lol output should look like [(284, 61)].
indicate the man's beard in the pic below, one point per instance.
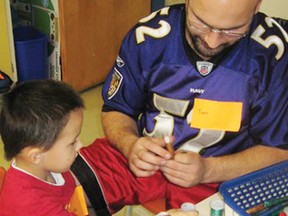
[(203, 50)]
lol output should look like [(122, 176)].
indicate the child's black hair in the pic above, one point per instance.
[(34, 113)]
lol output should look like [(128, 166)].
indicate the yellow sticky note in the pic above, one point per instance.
[(77, 203), (216, 115)]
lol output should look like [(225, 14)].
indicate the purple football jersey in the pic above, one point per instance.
[(154, 81)]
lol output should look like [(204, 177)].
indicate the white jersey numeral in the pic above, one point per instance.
[(160, 32), (164, 124), (272, 39)]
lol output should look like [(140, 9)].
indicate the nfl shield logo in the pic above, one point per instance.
[(204, 68)]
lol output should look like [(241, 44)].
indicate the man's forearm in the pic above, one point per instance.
[(122, 133), (219, 169)]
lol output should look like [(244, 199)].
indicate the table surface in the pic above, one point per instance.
[(204, 206)]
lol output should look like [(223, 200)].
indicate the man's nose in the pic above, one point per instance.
[(213, 39)]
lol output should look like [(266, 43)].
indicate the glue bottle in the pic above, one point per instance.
[(217, 208)]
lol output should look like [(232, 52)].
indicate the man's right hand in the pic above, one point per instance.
[(146, 156)]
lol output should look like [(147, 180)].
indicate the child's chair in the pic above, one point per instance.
[(2, 174), (155, 206)]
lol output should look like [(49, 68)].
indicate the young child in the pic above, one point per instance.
[(40, 124)]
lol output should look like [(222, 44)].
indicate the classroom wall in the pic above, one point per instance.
[(170, 2), (276, 8), (6, 51)]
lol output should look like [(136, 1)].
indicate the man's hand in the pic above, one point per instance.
[(186, 169), (146, 156), (189, 169)]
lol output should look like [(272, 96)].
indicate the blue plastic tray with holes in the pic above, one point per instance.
[(254, 188)]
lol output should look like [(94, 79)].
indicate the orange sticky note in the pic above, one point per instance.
[(77, 203), (216, 115)]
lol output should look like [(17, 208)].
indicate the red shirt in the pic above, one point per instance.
[(24, 194)]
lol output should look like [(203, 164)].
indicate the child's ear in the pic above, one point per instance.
[(35, 155)]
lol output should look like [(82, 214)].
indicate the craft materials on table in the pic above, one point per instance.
[(260, 193)]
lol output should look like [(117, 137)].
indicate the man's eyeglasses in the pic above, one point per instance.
[(202, 28)]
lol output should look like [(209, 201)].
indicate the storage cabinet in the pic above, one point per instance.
[(91, 32)]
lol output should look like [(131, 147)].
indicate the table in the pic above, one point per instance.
[(204, 206)]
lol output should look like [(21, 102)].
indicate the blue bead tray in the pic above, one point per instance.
[(255, 188)]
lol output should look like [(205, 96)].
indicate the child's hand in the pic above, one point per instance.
[(178, 212), (187, 209)]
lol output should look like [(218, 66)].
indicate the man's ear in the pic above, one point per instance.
[(35, 155)]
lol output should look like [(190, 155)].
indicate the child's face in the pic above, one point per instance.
[(63, 153)]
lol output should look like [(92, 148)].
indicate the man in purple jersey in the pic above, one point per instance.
[(211, 76)]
